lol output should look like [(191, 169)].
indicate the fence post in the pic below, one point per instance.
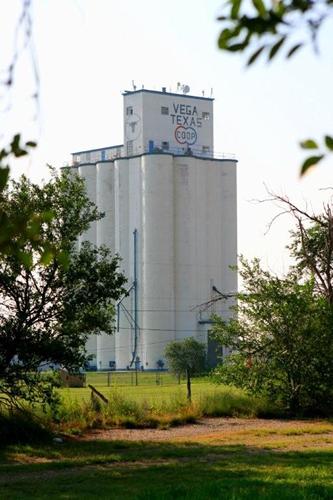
[(109, 379), (136, 375)]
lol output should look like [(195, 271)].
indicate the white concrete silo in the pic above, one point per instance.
[(88, 173), (105, 235), (170, 189), (157, 244)]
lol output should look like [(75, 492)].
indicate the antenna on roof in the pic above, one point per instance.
[(203, 93), (178, 86), (211, 92), (133, 85), (185, 89)]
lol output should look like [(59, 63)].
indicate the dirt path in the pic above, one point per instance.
[(287, 433)]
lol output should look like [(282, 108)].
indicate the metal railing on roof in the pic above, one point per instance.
[(189, 151), (176, 151)]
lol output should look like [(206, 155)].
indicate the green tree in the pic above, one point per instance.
[(51, 304), (281, 339), (17, 228), (267, 28), (186, 357)]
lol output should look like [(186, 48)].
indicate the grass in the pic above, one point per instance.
[(151, 408), (133, 407), (232, 464), (146, 390), (129, 378)]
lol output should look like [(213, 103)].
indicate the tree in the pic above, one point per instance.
[(51, 304), (186, 357), (312, 249), (18, 228), (311, 243), (268, 28), (281, 340)]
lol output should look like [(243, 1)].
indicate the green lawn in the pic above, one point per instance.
[(130, 378), (143, 392), (204, 469)]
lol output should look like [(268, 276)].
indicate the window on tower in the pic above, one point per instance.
[(129, 148), (129, 110), (205, 115), (164, 110), (165, 145)]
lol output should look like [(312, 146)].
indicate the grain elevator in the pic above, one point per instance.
[(170, 209)]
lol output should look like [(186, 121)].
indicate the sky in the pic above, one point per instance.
[(87, 53)]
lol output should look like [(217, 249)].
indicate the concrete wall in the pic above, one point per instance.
[(105, 235), (88, 172), (184, 126), (184, 209)]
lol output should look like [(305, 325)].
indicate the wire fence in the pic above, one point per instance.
[(131, 378)]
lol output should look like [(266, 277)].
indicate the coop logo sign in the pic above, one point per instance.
[(185, 116), (185, 135)]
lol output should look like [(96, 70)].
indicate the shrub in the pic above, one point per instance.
[(22, 426)]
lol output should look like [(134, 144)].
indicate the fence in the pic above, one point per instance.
[(131, 378)]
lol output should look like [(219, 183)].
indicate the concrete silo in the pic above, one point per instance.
[(171, 213)]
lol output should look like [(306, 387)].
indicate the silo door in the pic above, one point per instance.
[(214, 351)]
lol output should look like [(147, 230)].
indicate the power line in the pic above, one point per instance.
[(164, 330)]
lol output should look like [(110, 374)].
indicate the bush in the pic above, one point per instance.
[(22, 426)]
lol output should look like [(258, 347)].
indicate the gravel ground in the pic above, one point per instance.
[(210, 427)]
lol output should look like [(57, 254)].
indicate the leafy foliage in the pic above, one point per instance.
[(269, 27), (282, 341), (18, 228), (324, 150), (187, 357), (51, 304)]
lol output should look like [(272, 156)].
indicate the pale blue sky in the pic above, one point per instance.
[(89, 51)]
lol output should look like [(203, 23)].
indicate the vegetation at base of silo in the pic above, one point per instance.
[(186, 358), (282, 332)]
